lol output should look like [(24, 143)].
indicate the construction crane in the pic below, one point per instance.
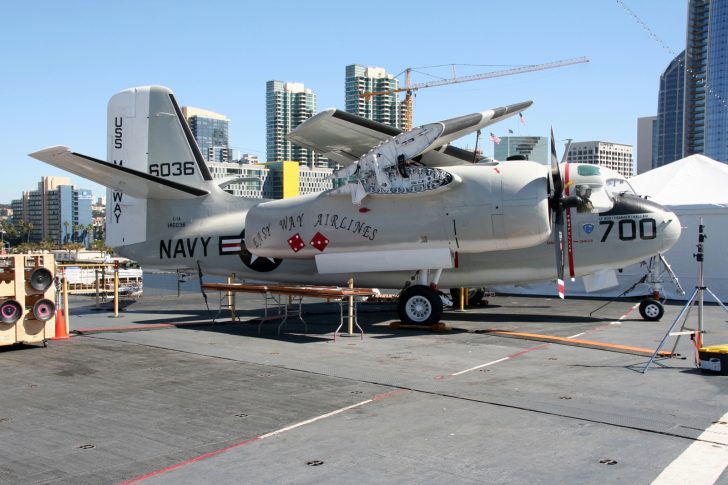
[(409, 88)]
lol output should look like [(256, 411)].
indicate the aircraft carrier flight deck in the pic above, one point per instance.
[(161, 395)]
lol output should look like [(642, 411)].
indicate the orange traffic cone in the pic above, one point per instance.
[(61, 330)]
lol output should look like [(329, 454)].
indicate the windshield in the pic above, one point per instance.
[(619, 186)]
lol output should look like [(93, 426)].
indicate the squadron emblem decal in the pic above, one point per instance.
[(588, 228), (236, 245)]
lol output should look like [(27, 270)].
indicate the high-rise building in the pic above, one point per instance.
[(646, 134), (696, 66), (669, 142), (287, 106), (210, 130), (697, 123), (58, 211), (611, 155), (535, 148), (716, 90), (384, 108)]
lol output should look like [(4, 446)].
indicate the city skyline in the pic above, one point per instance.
[(599, 100)]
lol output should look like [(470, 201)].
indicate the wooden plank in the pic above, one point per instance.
[(314, 291)]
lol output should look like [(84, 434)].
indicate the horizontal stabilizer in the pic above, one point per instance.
[(132, 182)]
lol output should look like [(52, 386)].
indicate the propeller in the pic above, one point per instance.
[(558, 202)]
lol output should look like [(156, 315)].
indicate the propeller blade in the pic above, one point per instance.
[(556, 180), (558, 236), (557, 206)]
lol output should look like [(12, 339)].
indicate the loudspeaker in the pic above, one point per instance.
[(10, 311), (40, 279), (43, 310)]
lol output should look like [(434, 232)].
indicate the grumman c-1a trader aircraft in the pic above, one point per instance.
[(413, 213)]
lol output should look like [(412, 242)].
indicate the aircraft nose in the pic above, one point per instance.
[(671, 230), (658, 226)]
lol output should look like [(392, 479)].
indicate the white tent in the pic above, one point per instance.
[(694, 187)]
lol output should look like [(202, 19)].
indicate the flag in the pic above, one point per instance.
[(510, 132), (521, 118), (494, 138)]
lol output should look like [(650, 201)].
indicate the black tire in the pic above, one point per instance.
[(651, 310), (475, 296), (419, 305)]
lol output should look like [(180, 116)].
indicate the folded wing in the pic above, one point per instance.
[(345, 137)]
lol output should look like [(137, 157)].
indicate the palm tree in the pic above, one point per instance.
[(24, 228), (65, 233), (89, 233)]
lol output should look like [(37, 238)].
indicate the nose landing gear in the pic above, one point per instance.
[(651, 310)]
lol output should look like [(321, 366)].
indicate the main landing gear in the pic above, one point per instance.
[(475, 296), (420, 303)]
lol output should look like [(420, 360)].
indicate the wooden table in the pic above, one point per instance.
[(274, 292)]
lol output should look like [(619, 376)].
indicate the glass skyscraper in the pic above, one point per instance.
[(696, 66), (716, 116), (706, 79), (384, 108), (668, 141), (287, 106), (692, 112), (210, 131)]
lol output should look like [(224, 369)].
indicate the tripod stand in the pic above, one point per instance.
[(698, 294)]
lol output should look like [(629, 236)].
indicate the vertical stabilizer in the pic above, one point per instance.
[(147, 133), (127, 136)]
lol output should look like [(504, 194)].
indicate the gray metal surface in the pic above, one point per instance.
[(113, 406)]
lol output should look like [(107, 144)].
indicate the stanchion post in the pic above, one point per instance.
[(462, 299), (116, 288), (231, 297), (96, 284), (65, 300), (350, 314)]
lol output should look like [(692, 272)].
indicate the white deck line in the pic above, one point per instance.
[(703, 461)]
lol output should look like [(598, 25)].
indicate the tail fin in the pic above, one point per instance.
[(147, 133)]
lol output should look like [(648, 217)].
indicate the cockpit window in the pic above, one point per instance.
[(587, 170), (619, 186)]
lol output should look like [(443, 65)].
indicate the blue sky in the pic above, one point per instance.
[(63, 60)]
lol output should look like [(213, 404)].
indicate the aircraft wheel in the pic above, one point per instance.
[(651, 310), (419, 305), (475, 296)]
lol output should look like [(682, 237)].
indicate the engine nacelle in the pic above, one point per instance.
[(484, 208)]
